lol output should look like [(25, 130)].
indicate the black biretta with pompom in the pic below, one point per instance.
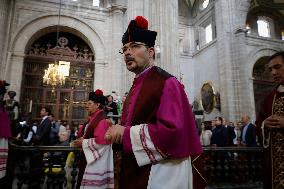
[(97, 97), (137, 31)]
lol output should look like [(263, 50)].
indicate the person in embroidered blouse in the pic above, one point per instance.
[(96, 161), (157, 130)]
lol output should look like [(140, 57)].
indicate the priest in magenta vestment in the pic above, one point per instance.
[(96, 158), (160, 143)]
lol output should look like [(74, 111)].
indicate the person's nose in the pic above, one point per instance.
[(273, 72), (128, 51), (127, 55)]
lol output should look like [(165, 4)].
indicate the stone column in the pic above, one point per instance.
[(242, 75), (100, 74), (138, 8), (230, 15), (14, 76), (134, 8), (164, 20), (4, 24), (116, 65)]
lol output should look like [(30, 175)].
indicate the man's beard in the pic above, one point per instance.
[(129, 65), (136, 69)]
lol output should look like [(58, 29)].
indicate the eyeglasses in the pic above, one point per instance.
[(132, 46)]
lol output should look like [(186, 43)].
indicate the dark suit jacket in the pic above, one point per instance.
[(42, 133), (231, 135), (220, 136), (250, 137)]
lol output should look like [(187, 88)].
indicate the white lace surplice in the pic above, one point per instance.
[(165, 173), (3, 156), (99, 170)]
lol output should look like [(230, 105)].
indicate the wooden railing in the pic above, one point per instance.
[(54, 165), (228, 167), (233, 167)]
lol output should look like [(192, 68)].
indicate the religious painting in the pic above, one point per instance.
[(207, 97)]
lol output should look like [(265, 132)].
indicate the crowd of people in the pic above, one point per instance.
[(46, 132), (51, 132), (222, 133)]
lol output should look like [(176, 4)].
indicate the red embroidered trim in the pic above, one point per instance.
[(95, 152), (3, 169), (89, 182), (100, 174), (144, 145), (164, 156)]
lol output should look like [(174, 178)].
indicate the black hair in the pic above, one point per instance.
[(219, 118), (281, 54), (47, 110), (207, 125), (101, 106), (110, 96)]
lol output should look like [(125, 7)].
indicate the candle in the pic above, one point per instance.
[(31, 105)]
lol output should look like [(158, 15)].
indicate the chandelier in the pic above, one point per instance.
[(56, 73)]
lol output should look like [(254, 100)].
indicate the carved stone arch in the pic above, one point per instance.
[(256, 56), (24, 36), (91, 35)]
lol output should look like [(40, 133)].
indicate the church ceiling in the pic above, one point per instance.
[(273, 4), (277, 5), (190, 2)]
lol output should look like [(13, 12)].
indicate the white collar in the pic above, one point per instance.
[(44, 118), (280, 88)]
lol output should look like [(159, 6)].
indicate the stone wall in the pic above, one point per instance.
[(5, 10), (99, 27), (227, 61)]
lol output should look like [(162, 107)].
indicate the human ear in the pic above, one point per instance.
[(151, 51)]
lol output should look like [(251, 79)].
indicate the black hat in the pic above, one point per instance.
[(137, 31), (11, 93), (98, 97), (3, 85)]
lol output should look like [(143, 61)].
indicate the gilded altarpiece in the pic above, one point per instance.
[(66, 102)]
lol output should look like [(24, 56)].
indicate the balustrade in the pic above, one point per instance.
[(226, 167), (233, 167)]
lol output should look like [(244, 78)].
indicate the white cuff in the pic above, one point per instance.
[(143, 148), (91, 150)]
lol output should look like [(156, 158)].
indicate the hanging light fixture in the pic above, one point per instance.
[(57, 72)]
